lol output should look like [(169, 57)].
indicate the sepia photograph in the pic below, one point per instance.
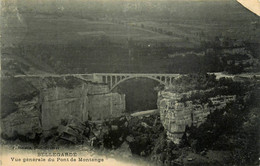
[(130, 82)]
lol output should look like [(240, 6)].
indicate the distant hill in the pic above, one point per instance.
[(121, 36)]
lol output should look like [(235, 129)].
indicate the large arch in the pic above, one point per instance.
[(132, 77)]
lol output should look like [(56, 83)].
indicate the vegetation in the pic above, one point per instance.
[(234, 129), (105, 37)]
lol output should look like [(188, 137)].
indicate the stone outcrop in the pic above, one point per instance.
[(59, 103), (42, 103), (87, 101), (106, 106), (20, 113), (177, 113), (25, 121)]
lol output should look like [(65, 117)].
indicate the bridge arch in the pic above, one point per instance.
[(132, 77)]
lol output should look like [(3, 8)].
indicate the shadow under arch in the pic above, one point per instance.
[(140, 93), (133, 77)]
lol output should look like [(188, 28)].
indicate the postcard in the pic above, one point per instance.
[(130, 82)]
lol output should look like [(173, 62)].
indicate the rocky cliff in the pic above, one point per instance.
[(176, 114), (32, 105), (191, 101)]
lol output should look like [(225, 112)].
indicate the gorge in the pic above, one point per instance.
[(42, 103), (196, 111)]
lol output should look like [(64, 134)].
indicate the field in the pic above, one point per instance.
[(116, 36)]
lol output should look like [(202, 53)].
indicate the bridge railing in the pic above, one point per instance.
[(113, 79), (135, 74)]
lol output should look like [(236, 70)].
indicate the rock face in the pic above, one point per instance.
[(25, 121), (86, 101), (177, 113), (60, 102), (106, 106), (42, 103), (20, 113)]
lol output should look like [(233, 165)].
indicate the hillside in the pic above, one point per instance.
[(116, 36)]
